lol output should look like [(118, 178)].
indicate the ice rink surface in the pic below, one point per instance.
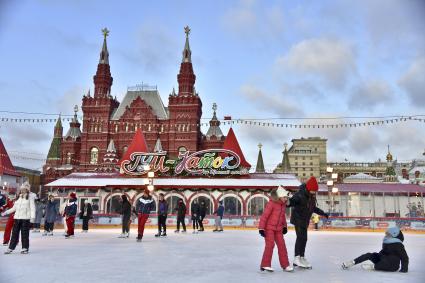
[(231, 256)]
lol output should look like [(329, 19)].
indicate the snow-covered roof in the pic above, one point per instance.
[(420, 169), (87, 180), (361, 176)]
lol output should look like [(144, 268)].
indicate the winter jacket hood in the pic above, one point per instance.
[(391, 236)]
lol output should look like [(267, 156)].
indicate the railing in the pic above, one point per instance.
[(142, 87)]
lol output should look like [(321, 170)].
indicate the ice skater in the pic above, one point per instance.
[(24, 209), (145, 208), (389, 258), (69, 213), (39, 212), (218, 217), (86, 214), (50, 215), (202, 214), (303, 204), (272, 227), (195, 216), (126, 217), (10, 220), (162, 216), (181, 215)]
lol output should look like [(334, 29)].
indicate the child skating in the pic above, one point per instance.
[(272, 227), (389, 258)]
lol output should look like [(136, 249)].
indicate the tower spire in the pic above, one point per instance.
[(186, 77), (104, 54), (260, 163), (187, 54)]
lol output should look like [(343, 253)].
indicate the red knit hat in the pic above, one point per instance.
[(72, 195), (312, 185)]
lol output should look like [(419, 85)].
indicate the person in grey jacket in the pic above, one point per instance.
[(39, 211), (52, 212)]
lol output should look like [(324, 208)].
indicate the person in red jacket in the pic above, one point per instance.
[(10, 220), (272, 227)]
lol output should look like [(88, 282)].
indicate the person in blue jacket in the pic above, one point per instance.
[(145, 208), (50, 215), (69, 214), (219, 215)]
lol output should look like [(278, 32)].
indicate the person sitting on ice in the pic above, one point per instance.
[(389, 258), (145, 207), (24, 209), (69, 213), (272, 227), (303, 205)]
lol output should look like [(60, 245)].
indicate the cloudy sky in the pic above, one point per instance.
[(255, 59)]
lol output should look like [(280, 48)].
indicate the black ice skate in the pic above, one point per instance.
[(158, 235), (164, 234), (268, 269)]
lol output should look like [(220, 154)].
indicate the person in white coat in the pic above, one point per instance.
[(24, 209)]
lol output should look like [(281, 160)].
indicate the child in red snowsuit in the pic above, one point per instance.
[(272, 227), (10, 221)]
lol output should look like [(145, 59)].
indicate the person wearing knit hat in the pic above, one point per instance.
[(304, 204), (10, 220), (70, 212), (389, 258), (272, 227), (24, 209)]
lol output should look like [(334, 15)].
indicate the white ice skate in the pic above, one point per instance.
[(298, 262), (127, 235), (122, 235), (195, 232), (306, 263), (50, 233), (368, 266), (289, 268), (24, 251), (348, 264), (8, 251), (268, 269), (44, 233)]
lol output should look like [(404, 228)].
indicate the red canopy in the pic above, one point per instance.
[(138, 144), (231, 143), (6, 166)]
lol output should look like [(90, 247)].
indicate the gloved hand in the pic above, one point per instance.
[(326, 215), (262, 233), (285, 230), (3, 214)]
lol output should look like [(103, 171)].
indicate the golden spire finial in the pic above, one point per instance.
[(187, 30), (260, 145), (105, 32)]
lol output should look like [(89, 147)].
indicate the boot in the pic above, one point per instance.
[(298, 262), (127, 235), (8, 251), (215, 230), (177, 231), (289, 268), (305, 262), (269, 269), (348, 264), (122, 235), (44, 233), (50, 234), (24, 251), (164, 234), (158, 235), (368, 266)]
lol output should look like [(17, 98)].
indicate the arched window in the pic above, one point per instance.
[(114, 204), (94, 155), (256, 206), (153, 205), (68, 158), (182, 150), (208, 204), (232, 205), (172, 203)]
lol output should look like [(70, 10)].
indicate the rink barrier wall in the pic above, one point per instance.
[(333, 223)]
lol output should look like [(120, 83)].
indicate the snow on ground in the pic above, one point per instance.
[(232, 256)]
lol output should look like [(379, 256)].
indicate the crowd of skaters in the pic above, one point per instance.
[(27, 210)]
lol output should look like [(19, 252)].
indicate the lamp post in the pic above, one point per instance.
[(149, 180)]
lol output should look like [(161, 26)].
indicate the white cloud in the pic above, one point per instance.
[(368, 95), (280, 105), (331, 60), (65, 103), (413, 82)]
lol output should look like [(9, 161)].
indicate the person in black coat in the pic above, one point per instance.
[(389, 258), (195, 216), (303, 204), (162, 216), (202, 214), (181, 214), (86, 213), (126, 216)]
